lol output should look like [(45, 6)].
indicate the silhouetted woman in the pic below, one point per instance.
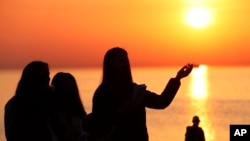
[(119, 104), (26, 113), (69, 116)]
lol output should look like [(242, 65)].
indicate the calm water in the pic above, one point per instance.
[(219, 95)]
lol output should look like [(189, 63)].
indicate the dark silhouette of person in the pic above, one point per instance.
[(119, 103), (69, 116), (26, 113), (194, 133)]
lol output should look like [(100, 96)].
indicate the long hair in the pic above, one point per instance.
[(66, 95), (32, 86), (112, 74)]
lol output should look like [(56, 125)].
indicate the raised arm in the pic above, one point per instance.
[(153, 100)]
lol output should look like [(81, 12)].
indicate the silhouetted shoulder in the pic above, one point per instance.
[(8, 117), (192, 127), (100, 94), (189, 128), (9, 103)]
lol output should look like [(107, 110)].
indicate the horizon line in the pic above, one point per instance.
[(136, 66)]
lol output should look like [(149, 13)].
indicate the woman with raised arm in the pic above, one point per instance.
[(119, 103)]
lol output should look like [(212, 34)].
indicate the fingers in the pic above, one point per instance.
[(188, 67), (186, 70)]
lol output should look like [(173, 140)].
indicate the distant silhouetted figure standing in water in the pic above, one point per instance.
[(194, 133), (26, 113), (119, 103), (68, 116)]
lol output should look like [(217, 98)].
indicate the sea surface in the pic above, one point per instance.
[(220, 96)]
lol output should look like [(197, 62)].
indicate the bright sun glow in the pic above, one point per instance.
[(198, 17)]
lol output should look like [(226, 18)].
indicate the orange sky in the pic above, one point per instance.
[(74, 33)]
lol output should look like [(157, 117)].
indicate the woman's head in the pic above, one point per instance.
[(66, 93), (65, 84), (116, 58), (116, 67), (33, 89), (65, 88), (35, 77)]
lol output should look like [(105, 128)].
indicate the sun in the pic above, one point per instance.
[(198, 17)]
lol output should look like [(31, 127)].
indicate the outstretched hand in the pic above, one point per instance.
[(184, 71)]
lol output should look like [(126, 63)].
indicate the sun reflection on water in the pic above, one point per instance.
[(199, 83), (198, 96)]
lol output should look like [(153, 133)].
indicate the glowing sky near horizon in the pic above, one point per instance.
[(77, 33)]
